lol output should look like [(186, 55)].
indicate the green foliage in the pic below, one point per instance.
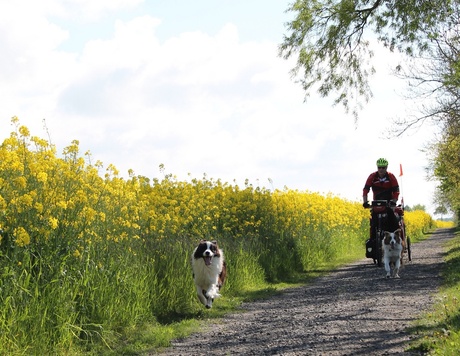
[(331, 40), (446, 168), (419, 207), (441, 210), (437, 77)]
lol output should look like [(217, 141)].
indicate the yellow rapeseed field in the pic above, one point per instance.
[(85, 253)]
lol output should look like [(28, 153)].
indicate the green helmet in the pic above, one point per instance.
[(382, 162)]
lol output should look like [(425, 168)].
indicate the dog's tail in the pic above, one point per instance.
[(222, 276)]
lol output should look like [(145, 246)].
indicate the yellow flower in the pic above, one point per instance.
[(42, 177), (53, 222), (21, 182), (22, 237), (61, 204), (38, 207), (26, 200), (24, 131)]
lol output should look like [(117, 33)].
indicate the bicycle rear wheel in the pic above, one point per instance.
[(409, 253)]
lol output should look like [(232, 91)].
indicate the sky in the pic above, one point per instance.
[(199, 87)]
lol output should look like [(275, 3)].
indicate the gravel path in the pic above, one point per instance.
[(351, 311)]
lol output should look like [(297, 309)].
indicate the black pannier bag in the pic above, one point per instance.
[(370, 253)]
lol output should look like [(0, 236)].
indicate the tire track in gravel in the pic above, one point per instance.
[(351, 311)]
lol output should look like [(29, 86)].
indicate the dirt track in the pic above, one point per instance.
[(351, 311)]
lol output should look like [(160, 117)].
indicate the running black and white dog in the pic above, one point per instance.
[(209, 271), (392, 246)]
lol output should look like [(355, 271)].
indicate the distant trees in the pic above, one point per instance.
[(441, 210), (415, 207)]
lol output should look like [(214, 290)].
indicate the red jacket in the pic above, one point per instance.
[(385, 188)]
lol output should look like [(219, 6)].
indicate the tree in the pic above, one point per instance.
[(441, 210), (442, 203), (434, 79), (446, 169), (419, 207), (331, 40)]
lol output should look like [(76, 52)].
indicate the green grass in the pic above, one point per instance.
[(227, 304), (152, 338), (110, 302), (438, 330)]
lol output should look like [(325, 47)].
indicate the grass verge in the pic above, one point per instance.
[(438, 330)]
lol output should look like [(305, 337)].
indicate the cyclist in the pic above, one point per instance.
[(384, 186)]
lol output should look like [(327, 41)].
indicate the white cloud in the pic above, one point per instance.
[(196, 102)]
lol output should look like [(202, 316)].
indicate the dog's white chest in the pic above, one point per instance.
[(206, 275)]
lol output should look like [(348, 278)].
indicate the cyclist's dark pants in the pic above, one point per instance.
[(390, 223)]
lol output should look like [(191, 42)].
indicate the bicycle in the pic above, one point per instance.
[(374, 246), (399, 211)]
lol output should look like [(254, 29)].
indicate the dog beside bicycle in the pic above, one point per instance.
[(387, 244)]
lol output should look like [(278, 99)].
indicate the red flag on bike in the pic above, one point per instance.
[(400, 170)]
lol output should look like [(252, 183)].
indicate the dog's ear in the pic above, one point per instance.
[(214, 242), (386, 237), (398, 232)]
